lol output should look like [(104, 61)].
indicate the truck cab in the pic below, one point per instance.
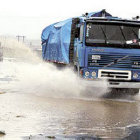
[(109, 48)]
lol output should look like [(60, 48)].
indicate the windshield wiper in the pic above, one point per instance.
[(134, 33), (106, 38), (123, 35)]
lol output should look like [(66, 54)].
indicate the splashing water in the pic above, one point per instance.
[(18, 51), (29, 74)]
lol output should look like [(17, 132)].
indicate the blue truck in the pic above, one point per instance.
[(98, 46)]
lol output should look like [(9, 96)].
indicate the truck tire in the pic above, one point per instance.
[(120, 92), (60, 66)]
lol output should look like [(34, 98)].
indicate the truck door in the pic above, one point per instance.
[(79, 47)]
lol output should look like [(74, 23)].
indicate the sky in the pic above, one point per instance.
[(30, 17)]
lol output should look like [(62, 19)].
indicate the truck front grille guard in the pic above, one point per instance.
[(114, 74)]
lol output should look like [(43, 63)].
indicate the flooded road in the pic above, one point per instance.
[(38, 102), (25, 115)]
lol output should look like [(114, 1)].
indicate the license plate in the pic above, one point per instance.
[(96, 57)]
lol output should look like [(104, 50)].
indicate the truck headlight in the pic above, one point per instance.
[(135, 75), (86, 73), (93, 74)]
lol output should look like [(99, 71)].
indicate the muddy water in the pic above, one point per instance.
[(24, 115)]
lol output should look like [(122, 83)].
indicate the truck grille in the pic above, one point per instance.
[(131, 61), (114, 74)]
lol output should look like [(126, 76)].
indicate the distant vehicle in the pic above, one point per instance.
[(98, 46)]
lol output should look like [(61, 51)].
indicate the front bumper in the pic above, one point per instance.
[(123, 85), (113, 78), (108, 84)]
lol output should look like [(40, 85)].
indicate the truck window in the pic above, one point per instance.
[(94, 34), (131, 32), (112, 34)]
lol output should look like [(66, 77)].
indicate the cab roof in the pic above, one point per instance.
[(103, 16)]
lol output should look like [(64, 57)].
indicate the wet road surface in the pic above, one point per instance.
[(27, 115)]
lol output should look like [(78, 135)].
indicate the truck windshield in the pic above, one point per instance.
[(98, 34)]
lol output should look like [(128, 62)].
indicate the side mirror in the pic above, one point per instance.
[(139, 36), (139, 33), (81, 33)]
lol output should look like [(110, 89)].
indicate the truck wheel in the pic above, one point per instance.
[(75, 69), (120, 92)]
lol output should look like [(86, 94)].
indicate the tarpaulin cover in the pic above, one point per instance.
[(56, 40)]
